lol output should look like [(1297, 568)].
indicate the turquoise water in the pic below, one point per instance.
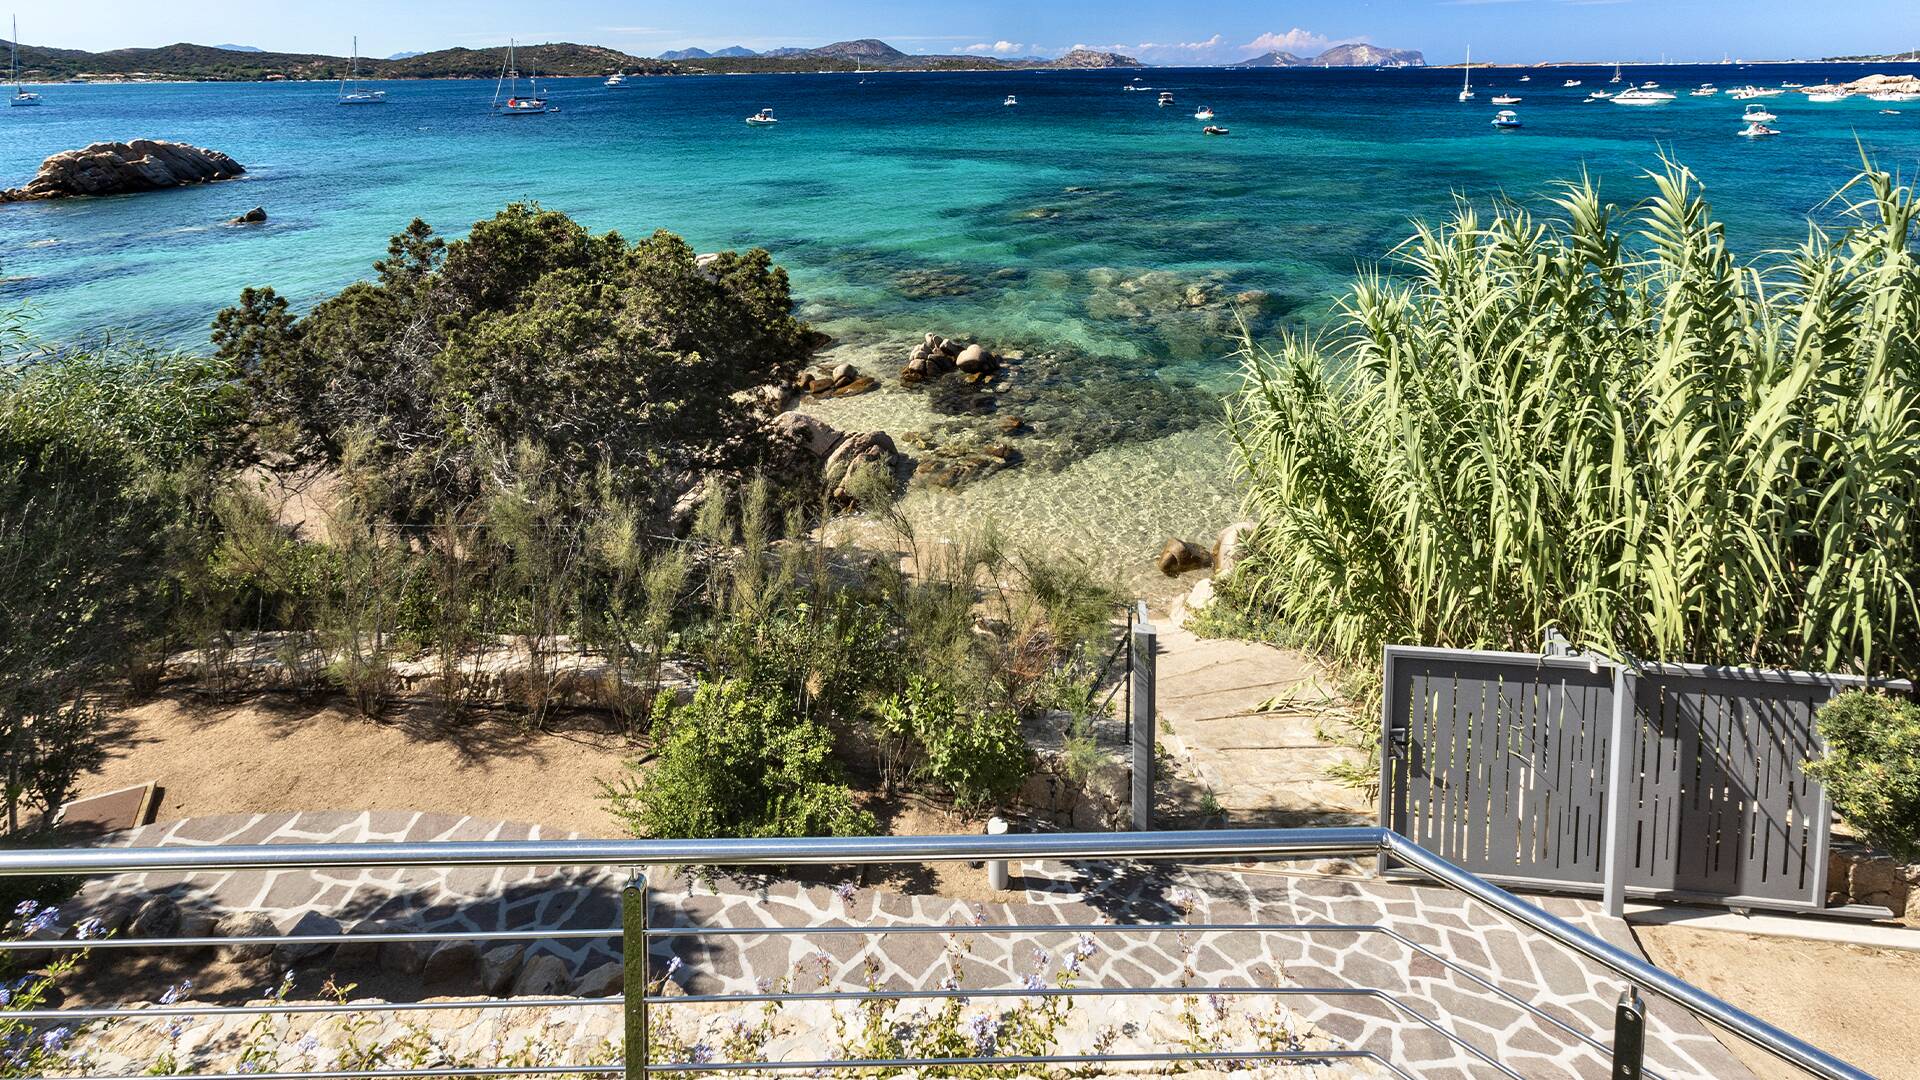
[(915, 202)]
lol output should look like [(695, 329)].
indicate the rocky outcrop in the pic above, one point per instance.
[(124, 168), (255, 216), (936, 356), (1228, 548), (816, 435), (859, 449), (842, 380)]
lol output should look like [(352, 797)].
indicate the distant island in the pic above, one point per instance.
[(231, 63), (1351, 55)]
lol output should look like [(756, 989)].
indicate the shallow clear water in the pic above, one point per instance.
[(914, 202)]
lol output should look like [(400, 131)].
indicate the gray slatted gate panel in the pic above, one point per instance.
[(1721, 806), (1498, 762)]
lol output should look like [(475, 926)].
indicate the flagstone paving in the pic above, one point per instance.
[(1346, 987)]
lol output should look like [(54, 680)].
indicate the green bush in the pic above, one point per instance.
[(927, 731), (1615, 428), (1872, 767), (737, 761)]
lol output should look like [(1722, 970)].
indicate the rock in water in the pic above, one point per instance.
[(1180, 556), (122, 168), (255, 216)]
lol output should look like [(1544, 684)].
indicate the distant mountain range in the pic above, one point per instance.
[(1354, 55), (240, 48)]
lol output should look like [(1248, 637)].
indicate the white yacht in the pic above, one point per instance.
[(516, 104), (1757, 130), (1011, 100), (1642, 96), (1166, 98), (1827, 97), (1505, 99), (1599, 95), (616, 80), (1748, 93), (762, 118), (21, 95), (351, 92), (1205, 113), (1526, 78), (1758, 114), (1706, 91), (1506, 118), (1571, 83), (1466, 86)]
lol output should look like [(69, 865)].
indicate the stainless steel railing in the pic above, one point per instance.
[(637, 936)]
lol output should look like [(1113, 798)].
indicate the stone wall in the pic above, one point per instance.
[(1096, 802), (1859, 875)]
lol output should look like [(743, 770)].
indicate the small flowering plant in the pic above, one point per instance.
[(28, 1049)]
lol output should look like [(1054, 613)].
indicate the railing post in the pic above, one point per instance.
[(1141, 721), (634, 947), (1629, 1035), (1614, 852)]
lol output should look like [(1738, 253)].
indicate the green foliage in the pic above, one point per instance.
[(1872, 767), (1635, 439), (925, 731), (603, 355), (736, 761)]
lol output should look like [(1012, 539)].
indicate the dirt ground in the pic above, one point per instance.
[(1860, 1004)]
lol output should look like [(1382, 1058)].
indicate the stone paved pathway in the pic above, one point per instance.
[(1458, 945), (1265, 768)]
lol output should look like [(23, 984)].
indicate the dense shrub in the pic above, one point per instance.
[(978, 755), (1872, 767), (603, 354), (737, 762), (1612, 428)]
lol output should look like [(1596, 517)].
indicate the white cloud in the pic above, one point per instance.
[(1182, 46), (1296, 41), (998, 48)]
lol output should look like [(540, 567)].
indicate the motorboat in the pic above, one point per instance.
[(1828, 97), (1011, 100), (21, 95), (616, 80), (351, 92), (1506, 118), (1205, 113), (1466, 86), (1748, 93), (516, 104), (1706, 91), (1213, 129), (1757, 131), (762, 118), (1758, 114), (1599, 95), (1570, 83), (1650, 85), (1166, 98), (1791, 85), (1526, 78), (1505, 99), (1642, 96)]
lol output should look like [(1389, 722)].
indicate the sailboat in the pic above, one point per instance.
[(359, 95), (515, 105), (1466, 87), (21, 95), (1616, 74)]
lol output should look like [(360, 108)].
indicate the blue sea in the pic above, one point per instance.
[(1070, 227)]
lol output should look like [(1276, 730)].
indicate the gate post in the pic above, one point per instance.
[(1141, 721), (1614, 851)]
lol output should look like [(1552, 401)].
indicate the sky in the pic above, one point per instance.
[(1512, 31)]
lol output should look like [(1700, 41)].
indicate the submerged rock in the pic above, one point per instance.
[(1181, 556), (124, 168), (255, 216)]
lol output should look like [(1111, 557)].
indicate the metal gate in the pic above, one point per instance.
[(1573, 772)]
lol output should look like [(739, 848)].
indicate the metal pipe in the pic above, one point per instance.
[(1702, 1004), (32, 945), (318, 1008)]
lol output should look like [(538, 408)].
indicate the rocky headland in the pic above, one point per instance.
[(121, 168)]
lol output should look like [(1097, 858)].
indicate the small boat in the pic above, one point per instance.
[(1642, 96), (1466, 86), (1526, 78), (1706, 91), (515, 105), (1650, 85), (1213, 129), (1889, 112), (1205, 113), (1616, 74), (1505, 99), (1758, 114), (1571, 83), (1827, 97), (1011, 100), (1791, 85), (1757, 131), (351, 92), (616, 80), (1748, 93), (22, 96), (1506, 118), (1166, 98), (1599, 95), (763, 117)]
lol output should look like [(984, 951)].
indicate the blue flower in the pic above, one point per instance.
[(26, 908), (846, 891), (55, 1039), (699, 1054), (89, 928), (985, 1030), (176, 992), (1035, 982)]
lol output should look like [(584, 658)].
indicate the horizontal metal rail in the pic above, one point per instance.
[(369, 938), (1216, 844)]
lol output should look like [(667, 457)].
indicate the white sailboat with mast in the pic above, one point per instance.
[(351, 92), (509, 81), (1466, 85), (21, 95)]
